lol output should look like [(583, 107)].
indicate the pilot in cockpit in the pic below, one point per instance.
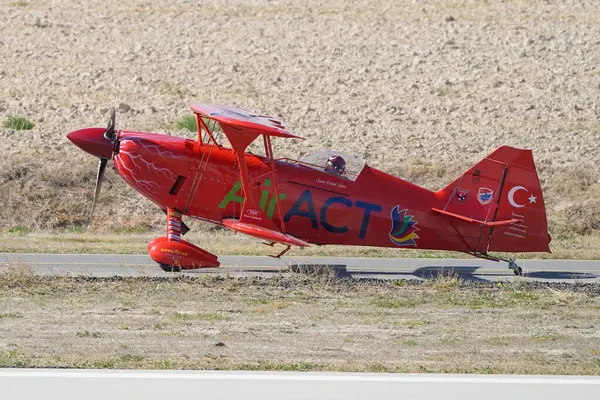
[(335, 165)]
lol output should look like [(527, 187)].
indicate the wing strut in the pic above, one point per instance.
[(269, 153), (253, 220), (242, 128)]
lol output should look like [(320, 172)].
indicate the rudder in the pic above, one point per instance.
[(502, 197)]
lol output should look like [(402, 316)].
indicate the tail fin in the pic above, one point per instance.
[(500, 204)]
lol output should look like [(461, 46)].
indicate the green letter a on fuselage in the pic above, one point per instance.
[(232, 195), (235, 195)]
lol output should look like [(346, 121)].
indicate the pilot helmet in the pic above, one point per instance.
[(336, 162)]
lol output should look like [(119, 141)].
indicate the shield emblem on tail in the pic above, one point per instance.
[(485, 195), (461, 195)]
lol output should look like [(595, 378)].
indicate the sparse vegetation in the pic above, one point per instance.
[(415, 323), (211, 322), (185, 316), (86, 334), (187, 123), (19, 230), (11, 315), (274, 366), (132, 358), (548, 338), (17, 274), (18, 123), (387, 302)]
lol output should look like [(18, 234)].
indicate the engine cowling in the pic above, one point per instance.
[(181, 254)]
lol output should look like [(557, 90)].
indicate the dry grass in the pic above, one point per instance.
[(297, 322), (51, 193), (222, 242)]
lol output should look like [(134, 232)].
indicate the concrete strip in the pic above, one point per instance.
[(44, 384)]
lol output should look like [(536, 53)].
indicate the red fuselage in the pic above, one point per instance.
[(376, 209)]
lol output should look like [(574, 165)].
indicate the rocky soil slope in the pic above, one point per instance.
[(422, 89)]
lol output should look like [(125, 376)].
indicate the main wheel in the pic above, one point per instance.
[(169, 268), (518, 271)]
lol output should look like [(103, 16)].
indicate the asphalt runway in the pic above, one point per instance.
[(102, 265), (42, 384)]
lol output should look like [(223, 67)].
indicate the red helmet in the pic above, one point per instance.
[(338, 163)]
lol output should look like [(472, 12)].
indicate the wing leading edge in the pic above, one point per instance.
[(244, 120)]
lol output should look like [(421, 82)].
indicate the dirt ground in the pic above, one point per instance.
[(229, 243), (421, 89), (302, 323)]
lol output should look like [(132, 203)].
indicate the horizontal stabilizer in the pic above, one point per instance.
[(473, 220), (263, 233)]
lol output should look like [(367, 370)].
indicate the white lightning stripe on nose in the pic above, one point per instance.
[(144, 185)]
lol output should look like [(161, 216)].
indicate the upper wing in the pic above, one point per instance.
[(246, 120)]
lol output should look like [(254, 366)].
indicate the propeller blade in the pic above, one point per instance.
[(101, 168), (110, 129)]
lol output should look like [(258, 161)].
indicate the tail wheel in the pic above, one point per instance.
[(518, 271), (169, 268)]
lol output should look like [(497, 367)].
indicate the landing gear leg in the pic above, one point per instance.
[(173, 234), (282, 252), (174, 254)]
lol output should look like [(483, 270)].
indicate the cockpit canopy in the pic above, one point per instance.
[(318, 159)]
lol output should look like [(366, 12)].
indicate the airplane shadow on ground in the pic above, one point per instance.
[(562, 275), (466, 272), (430, 272), (439, 271)]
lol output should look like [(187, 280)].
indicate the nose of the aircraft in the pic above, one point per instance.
[(92, 141)]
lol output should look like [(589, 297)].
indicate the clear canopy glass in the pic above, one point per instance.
[(318, 160)]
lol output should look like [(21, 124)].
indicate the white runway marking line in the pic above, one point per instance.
[(305, 376)]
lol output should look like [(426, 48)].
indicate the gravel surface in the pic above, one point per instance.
[(421, 89)]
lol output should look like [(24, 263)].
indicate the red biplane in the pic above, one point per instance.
[(496, 206)]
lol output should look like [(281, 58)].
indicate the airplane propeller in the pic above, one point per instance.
[(110, 129), (99, 176), (102, 143), (111, 135)]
